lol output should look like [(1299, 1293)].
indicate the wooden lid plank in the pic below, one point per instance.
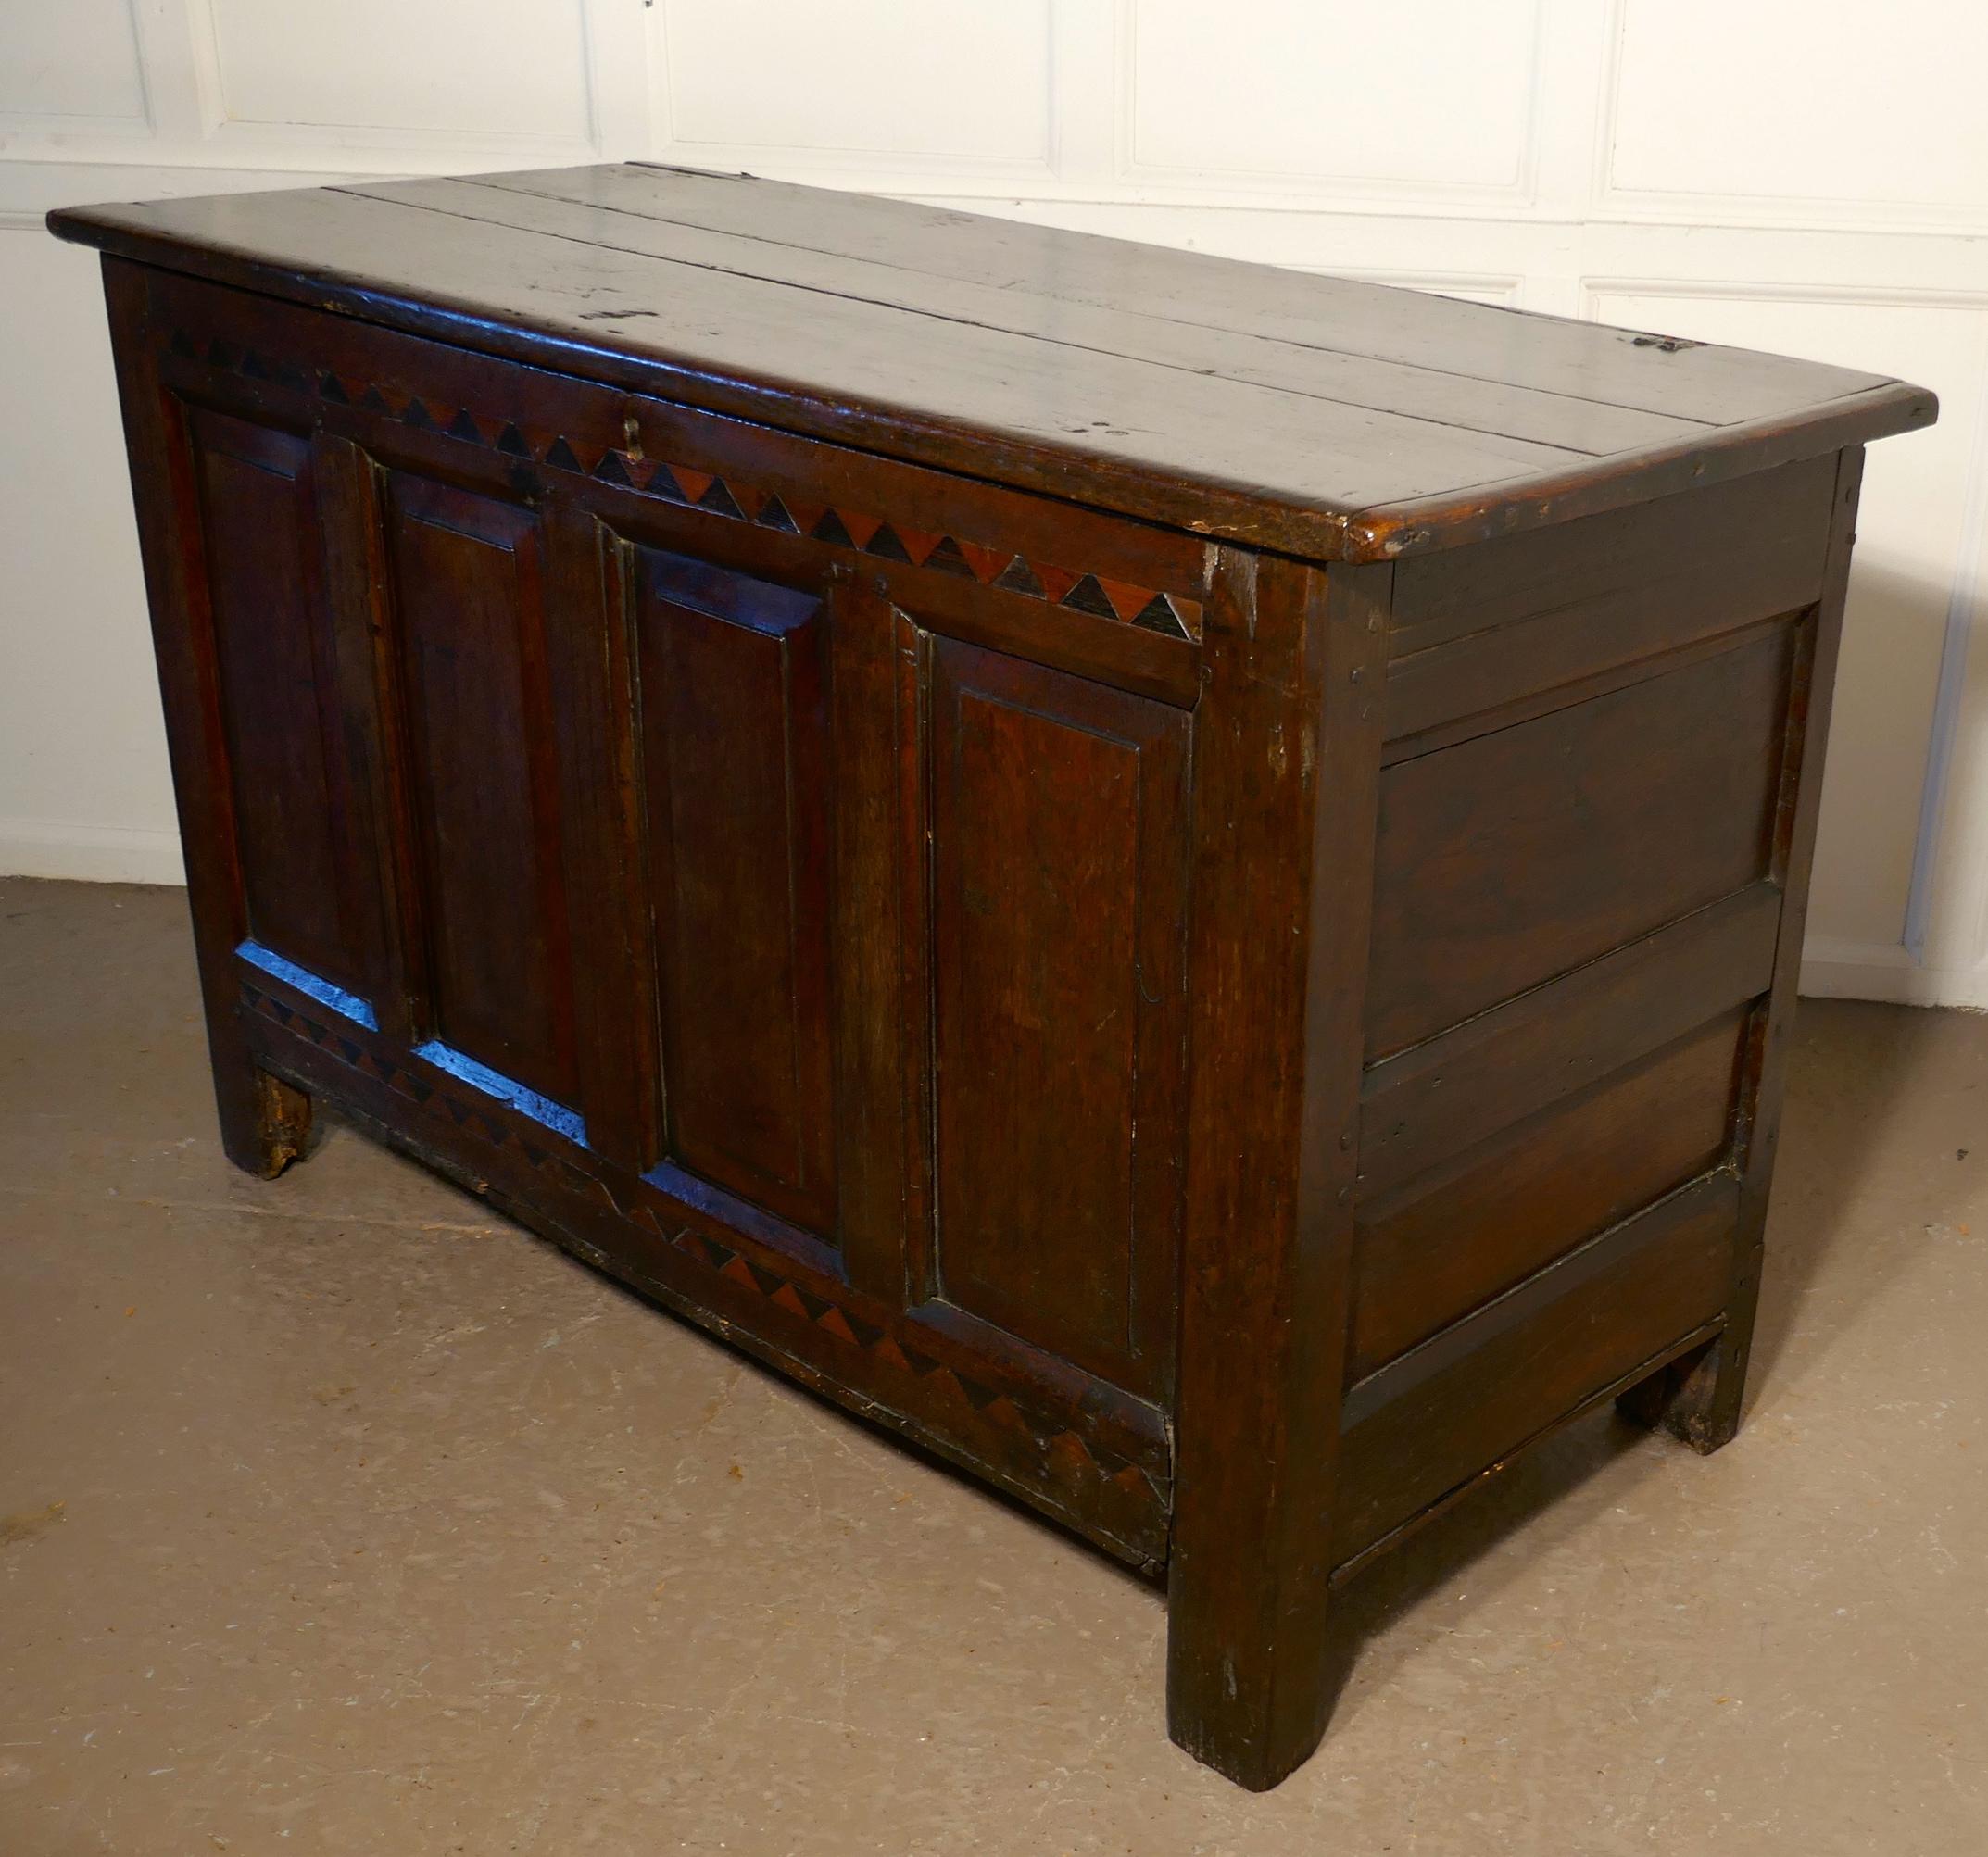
[(1313, 415)]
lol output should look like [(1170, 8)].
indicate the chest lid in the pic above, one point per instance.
[(1330, 419)]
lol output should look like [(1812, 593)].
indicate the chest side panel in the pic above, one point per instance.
[(1518, 856), (1594, 737)]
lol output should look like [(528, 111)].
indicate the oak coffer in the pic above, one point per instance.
[(1181, 881)]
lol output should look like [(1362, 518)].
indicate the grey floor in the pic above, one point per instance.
[(337, 1515)]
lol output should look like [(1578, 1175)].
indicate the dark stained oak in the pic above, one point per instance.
[(1057, 941), (733, 676), (1310, 424), (465, 584), (1221, 296), (1477, 1391), (278, 689), (1179, 882), (1423, 1106), (1532, 1191), (1518, 856), (1541, 619), (1278, 959), (1145, 332)]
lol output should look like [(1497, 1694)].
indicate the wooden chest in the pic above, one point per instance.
[(1180, 880)]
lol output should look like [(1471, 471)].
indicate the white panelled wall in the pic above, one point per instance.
[(1771, 173)]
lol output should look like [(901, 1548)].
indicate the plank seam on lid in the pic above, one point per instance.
[(497, 184), (1267, 466), (385, 198), (1172, 265)]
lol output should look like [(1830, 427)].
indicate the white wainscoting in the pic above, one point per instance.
[(1774, 173)]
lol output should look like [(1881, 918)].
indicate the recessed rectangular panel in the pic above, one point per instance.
[(482, 768), (278, 691), (1475, 1393), (1057, 839), (1432, 1252), (736, 758), (1518, 855), (1423, 1110)]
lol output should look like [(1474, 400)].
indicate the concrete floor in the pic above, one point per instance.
[(340, 1516)]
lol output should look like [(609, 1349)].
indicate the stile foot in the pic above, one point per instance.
[(1695, 1398), (266, 1126), (1255, 1707)]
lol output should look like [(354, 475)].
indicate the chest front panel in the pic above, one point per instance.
[(800, 836)]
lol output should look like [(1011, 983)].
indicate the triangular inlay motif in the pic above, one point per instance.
[(720, 501), (774, 516), (948, 559), (918, 543), (1158, 615), (1165, 614), (1087, 595), (1019, 577)]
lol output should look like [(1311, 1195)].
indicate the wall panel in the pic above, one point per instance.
[(63, 68), (486, 68), (1867, 119), (1269, 90), (822, 84)]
